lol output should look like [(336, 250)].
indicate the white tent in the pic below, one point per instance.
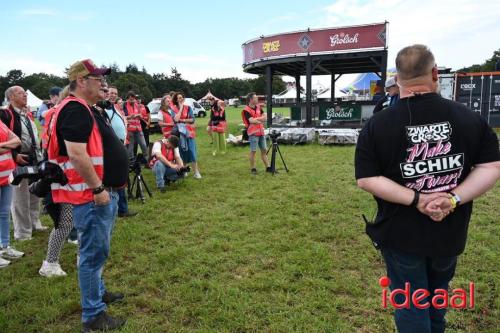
[(327, 95), (33, 101), (288, 96)]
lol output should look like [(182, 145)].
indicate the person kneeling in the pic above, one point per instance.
[(166, 162)]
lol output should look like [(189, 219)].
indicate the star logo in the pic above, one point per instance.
[(305, 42), (382, 35)]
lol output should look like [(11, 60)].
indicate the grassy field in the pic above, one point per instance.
[(237, 253)]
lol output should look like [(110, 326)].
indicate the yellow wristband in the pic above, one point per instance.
[(453, 202)]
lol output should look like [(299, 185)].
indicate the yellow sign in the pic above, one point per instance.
[(271, 46)]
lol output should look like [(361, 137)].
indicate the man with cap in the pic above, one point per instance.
[(134, 130), (95, 162), (47, 105), (391, 97), (25, 206)]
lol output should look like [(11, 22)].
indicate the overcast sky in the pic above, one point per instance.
[(203, 39)]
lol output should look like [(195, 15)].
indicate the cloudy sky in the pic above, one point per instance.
[(203, 39)]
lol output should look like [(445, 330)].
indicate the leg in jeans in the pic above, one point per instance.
[(142, 143), (35, 211), (58, 236), (401, 268), (122, 201), (171, 174), (132, 143), (159, 170), (20, 209), (5, 201), (440, 271), (94, 224)]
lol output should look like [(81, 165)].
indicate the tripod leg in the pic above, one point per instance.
[(134, 183), (282, 159), (140, 192), (146, 187), (273, 159)]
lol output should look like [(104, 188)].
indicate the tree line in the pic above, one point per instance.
[(148, 86)]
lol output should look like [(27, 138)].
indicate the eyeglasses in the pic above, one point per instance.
[(102, 79), (105, 91)]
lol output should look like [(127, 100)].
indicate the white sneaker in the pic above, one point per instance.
[(10, 252), (22, 239), (41, 228), (197, 175), (51, 269), (3, 262), (74, 242)]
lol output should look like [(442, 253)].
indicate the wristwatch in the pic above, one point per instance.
[(98, 189), (455, 199)]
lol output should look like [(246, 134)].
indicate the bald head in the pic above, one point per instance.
[(414, 61), (16, 96)]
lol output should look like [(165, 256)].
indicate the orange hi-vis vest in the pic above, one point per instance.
[(222, 125), (77, 191), (253, 129), (134, 124), (185, 115), (7, 164), (167, 118), (167, 153), (45, 129)]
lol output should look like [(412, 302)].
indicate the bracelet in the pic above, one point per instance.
[(416, 199), (457, 199), (98, 189), (453, 203)]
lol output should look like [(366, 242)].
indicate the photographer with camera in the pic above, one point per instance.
[(8, 141), (118, 122), (95, 163), (167, 163), (25, 206), (254, 120), (218, 127), (134, 128)]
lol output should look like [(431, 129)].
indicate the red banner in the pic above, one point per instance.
[(342, 39)]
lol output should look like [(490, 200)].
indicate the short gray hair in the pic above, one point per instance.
[(414, 61), (9, 92)]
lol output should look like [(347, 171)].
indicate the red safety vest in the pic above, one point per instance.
[(77, 191), (222, 125), (45, 129), (11, 111), (134, 125), (185, 115), (167, 153), (167, 118), (7, 164), (253, 129)]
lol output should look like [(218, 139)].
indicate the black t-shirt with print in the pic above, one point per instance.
[(429, 144), (75, 123)]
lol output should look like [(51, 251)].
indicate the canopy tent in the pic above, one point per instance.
[(327, 94), (207, 96), (33, 101), (362, 81), (287, 96)]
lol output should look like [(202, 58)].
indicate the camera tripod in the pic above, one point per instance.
[(138, 183), (275, 148)]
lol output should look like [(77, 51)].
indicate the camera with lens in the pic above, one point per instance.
[(274, 134), (40, 177), (104, 104)]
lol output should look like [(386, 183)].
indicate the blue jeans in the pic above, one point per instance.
[(94, 225), (163, 172), (5, 201), (122, 201), (421, 272)]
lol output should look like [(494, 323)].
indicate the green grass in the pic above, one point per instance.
[(236, 253)]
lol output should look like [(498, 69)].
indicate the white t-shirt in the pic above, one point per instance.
[(157, 148)]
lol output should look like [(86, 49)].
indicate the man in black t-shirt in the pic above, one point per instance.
[(93, 219), (424, 159)]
